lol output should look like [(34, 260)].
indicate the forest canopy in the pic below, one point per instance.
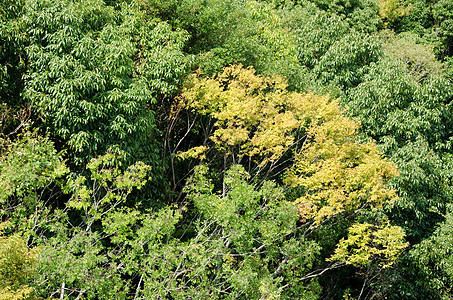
[(193, 149)]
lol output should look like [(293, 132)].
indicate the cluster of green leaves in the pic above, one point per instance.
[(94, 72), (78, 255), (29, 169), (246, 244), (13, 112), (433, 258), (432, 19), (413, 53), (12, 56), (415, 133), (362, 15)]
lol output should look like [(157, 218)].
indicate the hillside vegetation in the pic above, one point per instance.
[(226, 149)]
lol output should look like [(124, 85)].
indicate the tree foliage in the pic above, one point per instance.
[(256, 117), (434, 260), (17, 266), (312, 138), (415, 134), (95, 74), (366, 243)]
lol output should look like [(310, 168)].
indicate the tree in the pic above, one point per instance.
[(316, 31), (433, 260), (17, 266), (303, 142), (360, 14), (12, 56), (347, 61), (77, 254), (30, 171), (13, 112), (443, 16), (390, 10), (259, 249), (413, 53), (225, 32), (333, 54), (415, 134), (95, 74), (259, 122)]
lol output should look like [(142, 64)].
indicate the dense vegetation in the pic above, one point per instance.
[(194, 149)]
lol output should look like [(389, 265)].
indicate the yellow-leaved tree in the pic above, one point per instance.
[(390, 10), (339, 173), (305, 138), (17, 265), (365, 243)]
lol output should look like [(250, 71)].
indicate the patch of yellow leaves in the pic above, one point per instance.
[(339, 173), (257, 115), (366, 243)]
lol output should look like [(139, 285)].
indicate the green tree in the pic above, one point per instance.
[(262, 251), (12, 55), (433, 260), (77, 255), (347, 61), (413, 53), (333, 55), (362, 15), (225, 32), (13, 112), (316, 31), (416, 135), (443, 16), (30, 170), (96, 73)]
